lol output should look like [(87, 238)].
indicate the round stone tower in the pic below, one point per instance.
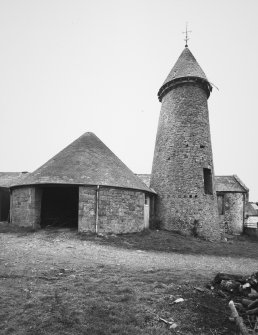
[(182, 170)]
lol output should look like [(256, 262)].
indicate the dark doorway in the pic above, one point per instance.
[(4, 204), (59, 207)]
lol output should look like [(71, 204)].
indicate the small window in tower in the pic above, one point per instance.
[(202, 146), (207, 181)]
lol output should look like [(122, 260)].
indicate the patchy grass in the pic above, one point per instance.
[(49, 284), (165, 241), (103, 300)]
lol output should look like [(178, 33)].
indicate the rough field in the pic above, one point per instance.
[(59, 282)]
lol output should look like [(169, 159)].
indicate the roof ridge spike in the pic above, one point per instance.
[(186, 34)]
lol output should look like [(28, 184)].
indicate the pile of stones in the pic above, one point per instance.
[(243, 291)]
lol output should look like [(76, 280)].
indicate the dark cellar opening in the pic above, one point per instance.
[(59, 207)]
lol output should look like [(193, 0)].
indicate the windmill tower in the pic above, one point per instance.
[(182, 170)]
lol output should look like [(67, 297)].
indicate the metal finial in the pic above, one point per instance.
[(186, 35)]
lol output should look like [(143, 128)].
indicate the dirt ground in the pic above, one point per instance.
[(59, 282)]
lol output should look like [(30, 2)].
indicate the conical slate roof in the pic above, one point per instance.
[(186, 66), (86, 161)]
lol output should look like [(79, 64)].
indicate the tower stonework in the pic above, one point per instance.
[(182, 170)]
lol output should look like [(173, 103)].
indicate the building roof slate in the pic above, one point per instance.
[(185, 66), (222, 183), (251, 209), (86, 161), (145, 178), (8, 178), (230, 184)]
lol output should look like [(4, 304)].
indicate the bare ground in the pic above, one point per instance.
[(64, 283)]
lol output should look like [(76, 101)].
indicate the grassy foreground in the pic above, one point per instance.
[(50, 285), (103, 300)]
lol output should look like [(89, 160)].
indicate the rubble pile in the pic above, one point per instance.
[(243, 295)]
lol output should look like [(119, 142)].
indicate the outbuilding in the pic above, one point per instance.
[(6, 180), (251, 219), (232, 195), (85, 186)]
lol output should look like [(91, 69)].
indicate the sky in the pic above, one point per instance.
[(72, 66)]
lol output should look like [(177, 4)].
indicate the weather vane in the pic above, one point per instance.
[(186, 35)]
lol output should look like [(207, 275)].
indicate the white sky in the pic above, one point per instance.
[(71, 66)]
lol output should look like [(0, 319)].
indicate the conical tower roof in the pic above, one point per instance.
[(86, 161), (186, 66)]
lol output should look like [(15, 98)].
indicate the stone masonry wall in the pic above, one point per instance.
[(120, 210), (87, 209), (183, 149), (26, 207), (232, 220)]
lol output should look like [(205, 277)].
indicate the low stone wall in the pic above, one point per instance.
[(119, 210), (26, 206)]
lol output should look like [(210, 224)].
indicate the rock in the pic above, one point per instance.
[(253, 304), (246, 302), (229, 285), (253, 280), (226, 276), (222, 294), (253, 294), (178, 300), (252, 311), (239, 307), (173, 326), (246, 285)]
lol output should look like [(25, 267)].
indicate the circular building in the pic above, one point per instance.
[(85, 186), (182, 170)]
